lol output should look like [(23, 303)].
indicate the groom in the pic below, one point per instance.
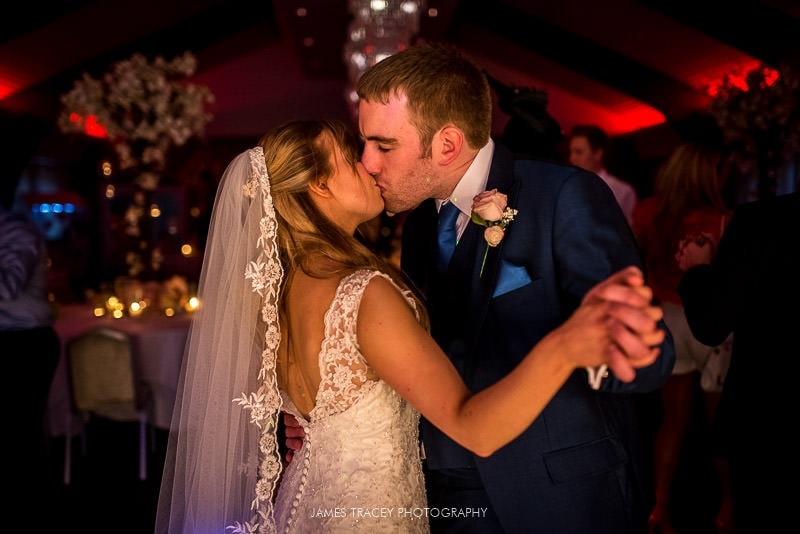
[(582, 466)]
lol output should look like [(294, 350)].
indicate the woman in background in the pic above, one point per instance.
[(687, 203)]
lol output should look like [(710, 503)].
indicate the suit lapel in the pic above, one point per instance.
[(501, 176), (459, 300)]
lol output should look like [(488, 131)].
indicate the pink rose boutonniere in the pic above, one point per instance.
[(490, 209)]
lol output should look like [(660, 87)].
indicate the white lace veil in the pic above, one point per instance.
[(222, 461)]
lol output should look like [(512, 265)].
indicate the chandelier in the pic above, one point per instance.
[(379, 29)]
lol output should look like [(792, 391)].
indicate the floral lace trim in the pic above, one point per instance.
[(343, 369), (266, 276)]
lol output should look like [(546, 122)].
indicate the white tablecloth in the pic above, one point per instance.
[(158, 343)]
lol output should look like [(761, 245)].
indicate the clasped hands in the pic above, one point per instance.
[(622, 306)]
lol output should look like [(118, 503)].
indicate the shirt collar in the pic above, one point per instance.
[(473, 182)]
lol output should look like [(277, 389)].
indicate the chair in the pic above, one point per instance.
[(102, 379)]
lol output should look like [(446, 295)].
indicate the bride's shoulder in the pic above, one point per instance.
[(381, 291), (367, 278)]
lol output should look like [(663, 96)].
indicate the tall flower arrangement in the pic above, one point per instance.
[(760, 118), (143, 108)]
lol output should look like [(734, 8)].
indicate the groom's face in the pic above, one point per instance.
[(393, 155)]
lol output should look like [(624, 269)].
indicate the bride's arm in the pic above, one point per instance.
[(407, 358)]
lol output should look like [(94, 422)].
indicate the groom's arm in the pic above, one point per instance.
[(591, 240)]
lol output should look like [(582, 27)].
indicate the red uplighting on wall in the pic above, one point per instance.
[(90, 125), (634, 119), (7, 89), (737, 77)]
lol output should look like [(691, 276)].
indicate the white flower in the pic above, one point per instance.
[(144, 108)]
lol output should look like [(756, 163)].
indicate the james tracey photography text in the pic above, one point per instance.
[(385, 511)]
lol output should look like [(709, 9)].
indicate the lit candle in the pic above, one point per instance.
[(192, 304), (136, 308)]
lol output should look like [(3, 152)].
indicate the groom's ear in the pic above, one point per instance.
[(447, 145)]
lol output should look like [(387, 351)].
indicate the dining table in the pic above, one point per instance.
[(158, 343)]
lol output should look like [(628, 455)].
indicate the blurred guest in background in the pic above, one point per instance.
[(30, 346), (751, 289), (30, 355), (687, 202), (530, 130), (588, 149)]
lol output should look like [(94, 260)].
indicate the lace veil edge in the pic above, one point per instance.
[(223, 462)]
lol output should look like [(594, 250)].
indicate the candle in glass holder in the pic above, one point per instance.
[(136, 308), (192, 304), (99, 299), (115, 306)]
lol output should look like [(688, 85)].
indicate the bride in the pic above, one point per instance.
[(298, 316)]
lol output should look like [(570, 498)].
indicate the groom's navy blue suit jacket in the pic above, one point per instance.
[(582, 466)]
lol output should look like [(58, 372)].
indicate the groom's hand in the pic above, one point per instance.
[(294, 435), (633, 321)]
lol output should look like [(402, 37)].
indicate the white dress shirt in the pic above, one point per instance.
[(471, 184)]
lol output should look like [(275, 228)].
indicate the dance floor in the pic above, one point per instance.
[(106, 495)]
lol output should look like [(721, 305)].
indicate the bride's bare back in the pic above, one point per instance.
[(308, 301), (361, 450)]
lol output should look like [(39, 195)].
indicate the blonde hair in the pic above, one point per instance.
[(689, 180), (299, 154), (442, 87)]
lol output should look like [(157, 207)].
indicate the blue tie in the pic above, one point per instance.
[(448, 214)]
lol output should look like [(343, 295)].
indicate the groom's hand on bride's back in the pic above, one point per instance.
[(294, 435)]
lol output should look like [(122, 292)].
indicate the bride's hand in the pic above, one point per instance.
[(625, 286)]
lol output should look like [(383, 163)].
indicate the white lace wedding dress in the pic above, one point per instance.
[(359, 468)]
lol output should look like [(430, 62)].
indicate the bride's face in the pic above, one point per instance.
[(354, 197)]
